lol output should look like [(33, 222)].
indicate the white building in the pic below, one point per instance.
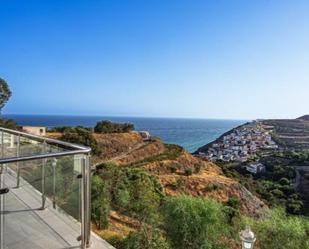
[(255, 168), (35, 130)]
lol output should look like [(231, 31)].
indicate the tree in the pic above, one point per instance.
[(5, 93), (279, 231), (194, 222), (147, 238), (82, 136), (106, 126), (100, 203)]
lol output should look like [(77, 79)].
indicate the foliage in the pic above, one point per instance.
[(9, 124), (106, 126), (273, 186), (178, 184), (100, 203), (5, 93), (173, 168), (147, 238), (82, 136), (194, 222), (212, 187), (188, 172), (279, 231), (132, 191), (61, 129)]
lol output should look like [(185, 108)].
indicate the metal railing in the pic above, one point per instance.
[(50, 149)]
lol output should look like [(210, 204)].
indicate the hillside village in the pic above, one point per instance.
[(240, 144)]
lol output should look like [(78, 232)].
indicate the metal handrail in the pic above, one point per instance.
[(77, 149), (42, 156), (85, 172), (50, 140)]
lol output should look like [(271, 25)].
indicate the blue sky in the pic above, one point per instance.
[(166, 58)]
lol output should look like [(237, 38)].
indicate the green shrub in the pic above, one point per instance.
[(173, 168), (278, 231), (106, 126), (82, 136), (100, 203), (194, 222), (277, 193), (232, 209), (178, 184), (284, 181), (145, 239), (9, 124), (133, 191), (212, 187), (115, 241), (188, 172), (197, 168)]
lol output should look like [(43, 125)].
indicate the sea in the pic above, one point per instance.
[(189, 133)]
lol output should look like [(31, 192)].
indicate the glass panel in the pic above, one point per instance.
[(52, 183)]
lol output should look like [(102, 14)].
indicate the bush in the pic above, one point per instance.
[(197, 168), (194, 222), (100, 203), (284, 181), (188, 172), (178, 184), (106, 126), (82, 136), (115, 240), (133, 191), (9, 124), (212, 187), (279, 231), (232, 209), (145, 239), (173, 168), (277, 193)]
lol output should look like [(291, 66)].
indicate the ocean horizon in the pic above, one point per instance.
[(191, 133)]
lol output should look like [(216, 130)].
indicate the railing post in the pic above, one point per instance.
[(17, 163), (2, 152), (85, 202), (2, 196), (43, 177), (2, 211), (54, 165)]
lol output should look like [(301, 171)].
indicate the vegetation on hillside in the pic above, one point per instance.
[(9, 124), (275, 185), (80, 135), (106, 126), (183, 221)]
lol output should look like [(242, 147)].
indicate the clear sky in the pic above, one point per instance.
[(166, 58)]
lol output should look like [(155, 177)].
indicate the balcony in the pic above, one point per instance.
[(44, 194)]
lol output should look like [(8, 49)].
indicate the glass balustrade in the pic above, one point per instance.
[(44, 192)]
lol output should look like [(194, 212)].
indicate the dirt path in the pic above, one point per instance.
[(122, 155)]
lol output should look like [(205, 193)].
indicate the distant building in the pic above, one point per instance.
[(255, 168), (145, 135), (35, 130)]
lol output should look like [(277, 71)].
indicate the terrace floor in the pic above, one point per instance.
[(25, 226)]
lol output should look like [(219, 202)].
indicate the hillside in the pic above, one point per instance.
[(290, 133), (177, 170)]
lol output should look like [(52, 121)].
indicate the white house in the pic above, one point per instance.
[(255, 168), (35, 130)]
